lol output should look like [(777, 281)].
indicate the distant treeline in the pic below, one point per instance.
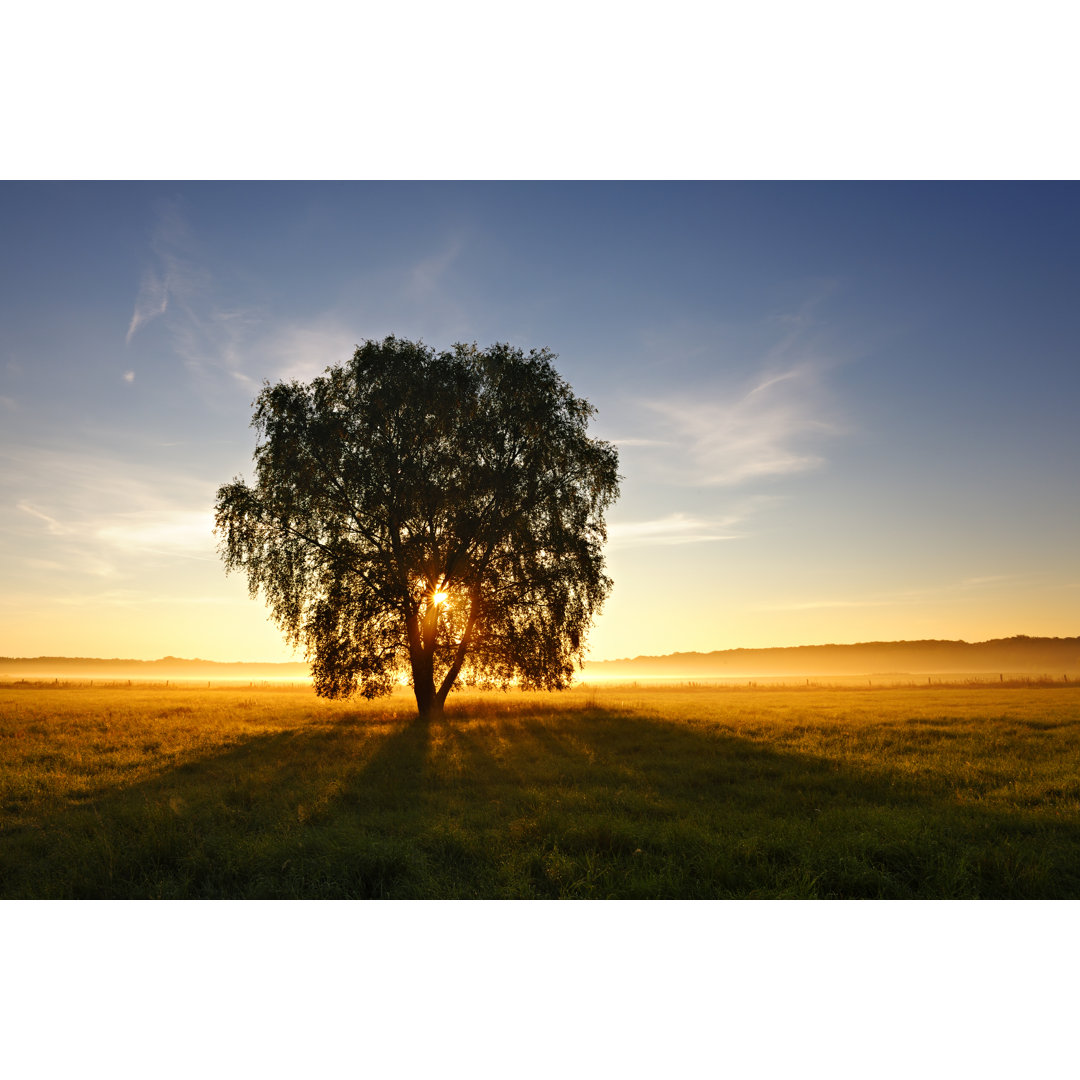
[(1015, 655), (168, 667)]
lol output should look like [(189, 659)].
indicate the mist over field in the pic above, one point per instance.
[(168, 667), (1020, 656)]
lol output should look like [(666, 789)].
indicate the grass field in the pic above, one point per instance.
[(620, 792)]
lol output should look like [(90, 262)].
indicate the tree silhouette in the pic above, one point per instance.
[(426, 515)]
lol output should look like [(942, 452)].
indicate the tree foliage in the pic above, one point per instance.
[(426, 514)]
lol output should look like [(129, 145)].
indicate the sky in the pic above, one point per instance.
[(844, 411)]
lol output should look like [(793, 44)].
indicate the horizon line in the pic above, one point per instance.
[(609, 660)]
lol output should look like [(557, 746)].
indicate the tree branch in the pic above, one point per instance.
[(462, 649)]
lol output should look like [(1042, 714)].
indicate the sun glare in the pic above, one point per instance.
[(439, 598)]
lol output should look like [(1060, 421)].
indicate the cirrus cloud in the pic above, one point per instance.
[(768, 431)]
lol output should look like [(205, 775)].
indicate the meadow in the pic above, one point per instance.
[(154, 791)]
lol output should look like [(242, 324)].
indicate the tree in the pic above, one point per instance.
[(426, 515)]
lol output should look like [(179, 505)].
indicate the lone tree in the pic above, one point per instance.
[(426, 514)]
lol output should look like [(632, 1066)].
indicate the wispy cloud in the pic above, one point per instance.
[(673, 529), (207, 335), (304, 350), (640, 442), (173, 276), (230, 339), (53, 526), (101, 516), (152, 301), (427, 276), (104, 545), (759, 405), (248, 345), (187, 533), (765, 431), (681, 528)]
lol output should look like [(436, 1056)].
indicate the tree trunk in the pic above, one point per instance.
[(423, 635), (422, 662), (423, 679), (428, 705)]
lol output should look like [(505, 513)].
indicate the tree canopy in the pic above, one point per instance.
[(426, 515)]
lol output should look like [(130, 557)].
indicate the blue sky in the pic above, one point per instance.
[(845, 411)]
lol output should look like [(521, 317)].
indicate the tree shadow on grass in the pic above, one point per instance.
[(533, 803), (640, 807), (308, 812)]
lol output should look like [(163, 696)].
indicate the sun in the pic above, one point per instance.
[(439, 598)]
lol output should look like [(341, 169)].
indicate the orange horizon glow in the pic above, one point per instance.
[(647, 614)]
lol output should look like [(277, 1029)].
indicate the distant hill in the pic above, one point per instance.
[(168, 667), (1019, 655), (1015, 655)]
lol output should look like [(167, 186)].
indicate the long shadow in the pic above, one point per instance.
[(681, 811), (262, 818), (552, 803)]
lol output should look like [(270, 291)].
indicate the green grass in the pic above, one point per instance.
[(619, 792)]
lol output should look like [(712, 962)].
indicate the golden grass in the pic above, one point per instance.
[(602, 791)]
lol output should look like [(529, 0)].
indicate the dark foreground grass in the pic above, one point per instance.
[(680, 792)]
